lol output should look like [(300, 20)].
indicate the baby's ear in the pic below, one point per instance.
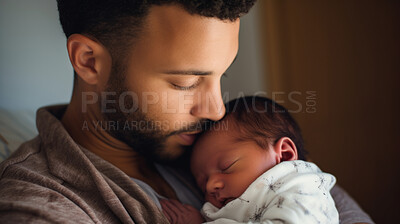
[(285, 149)]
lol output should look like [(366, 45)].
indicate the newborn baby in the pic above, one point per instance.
[(250, 167)]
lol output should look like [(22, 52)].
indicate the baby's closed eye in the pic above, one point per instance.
[(227, 165)]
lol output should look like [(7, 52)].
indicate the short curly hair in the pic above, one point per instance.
[(115, 23)]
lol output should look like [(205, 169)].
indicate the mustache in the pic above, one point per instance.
[(194, 127)]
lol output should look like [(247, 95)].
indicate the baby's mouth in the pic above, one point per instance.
[(226, 201)]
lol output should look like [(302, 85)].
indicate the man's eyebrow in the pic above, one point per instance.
[(189, 72)]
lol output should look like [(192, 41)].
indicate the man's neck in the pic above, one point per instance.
[(90, 132), (86, 129)]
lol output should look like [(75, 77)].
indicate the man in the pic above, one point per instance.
[(147, 78)]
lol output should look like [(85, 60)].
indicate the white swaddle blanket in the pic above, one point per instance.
[(290, 192)]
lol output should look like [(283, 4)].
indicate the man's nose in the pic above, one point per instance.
[(209, 104)]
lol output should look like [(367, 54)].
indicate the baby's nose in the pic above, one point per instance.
[(214, 185)]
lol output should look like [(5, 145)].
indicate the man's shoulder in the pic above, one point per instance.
[(29, 192), (41, 182), (27, 158), (37, 198), (25, 174)]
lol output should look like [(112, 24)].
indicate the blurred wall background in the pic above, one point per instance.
[(35, 69), (246, 76), (336, 65), (34, 65)]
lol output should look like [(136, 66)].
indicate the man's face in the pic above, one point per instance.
[(173, 74)]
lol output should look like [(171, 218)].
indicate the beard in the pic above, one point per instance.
[(143, 134)]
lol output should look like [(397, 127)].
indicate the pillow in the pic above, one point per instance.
[(16, 127)]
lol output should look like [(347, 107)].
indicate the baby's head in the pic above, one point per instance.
[(255, 135)]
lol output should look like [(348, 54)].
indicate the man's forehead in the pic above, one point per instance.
[(173, 23), (178, 40)]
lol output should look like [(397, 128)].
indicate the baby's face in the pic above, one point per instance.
[(224, 167)]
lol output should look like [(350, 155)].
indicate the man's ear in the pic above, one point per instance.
[(89, 58), (285, 150)]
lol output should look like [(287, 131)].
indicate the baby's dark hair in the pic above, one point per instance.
[(116, 23), (264, 121)]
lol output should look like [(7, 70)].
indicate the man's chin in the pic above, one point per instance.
[(157, 147), (170, 153)]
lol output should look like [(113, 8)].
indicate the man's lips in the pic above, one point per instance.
[(188, 139)]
